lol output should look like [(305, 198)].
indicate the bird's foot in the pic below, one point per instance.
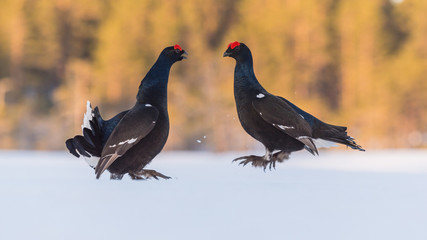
[(136, 176), (115, 176), (152, 173), (256, 161), (277, 157), (147, 174)]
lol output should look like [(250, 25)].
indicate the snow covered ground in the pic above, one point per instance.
[(339, 195)]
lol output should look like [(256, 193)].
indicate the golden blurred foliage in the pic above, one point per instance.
[(362, 64)]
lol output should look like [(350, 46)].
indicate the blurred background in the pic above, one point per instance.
[(361, 63)]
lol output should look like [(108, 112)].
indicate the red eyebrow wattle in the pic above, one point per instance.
[(233, 44), (177, 47)]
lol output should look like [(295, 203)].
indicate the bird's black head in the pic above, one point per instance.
[(233, 50), (174, 53), (238, 51)]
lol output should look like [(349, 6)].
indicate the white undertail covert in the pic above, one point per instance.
[(88, 116)]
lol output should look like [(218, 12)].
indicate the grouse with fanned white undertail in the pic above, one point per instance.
[(278, 124), (129, 141)]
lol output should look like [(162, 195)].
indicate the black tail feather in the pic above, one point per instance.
[(94, 126), (89, 136), (71, 148), (90, 142), (89, 148), (338, 134), (97, 116), (93, 139), (78, 142), (347, 140)]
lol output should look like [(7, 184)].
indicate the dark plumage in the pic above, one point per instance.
[(274, 121), (130, 140)]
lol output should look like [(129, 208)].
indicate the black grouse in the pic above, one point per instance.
[(130, 140), (274, 121)]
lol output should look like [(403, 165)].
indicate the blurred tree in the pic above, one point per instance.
[(356, 63)]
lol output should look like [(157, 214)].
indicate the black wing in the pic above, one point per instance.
[(133, 127), (282, 116)]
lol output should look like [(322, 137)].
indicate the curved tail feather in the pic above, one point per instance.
[(70, 146), (89, 144)]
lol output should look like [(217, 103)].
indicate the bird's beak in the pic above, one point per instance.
[(226, 54), (184, 53)]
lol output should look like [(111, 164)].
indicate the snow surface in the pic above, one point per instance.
[(339, 195)]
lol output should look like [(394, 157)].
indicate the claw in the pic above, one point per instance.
[(147, 174), (256, 161), (245, 158), (272, 164), (136, 177)]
